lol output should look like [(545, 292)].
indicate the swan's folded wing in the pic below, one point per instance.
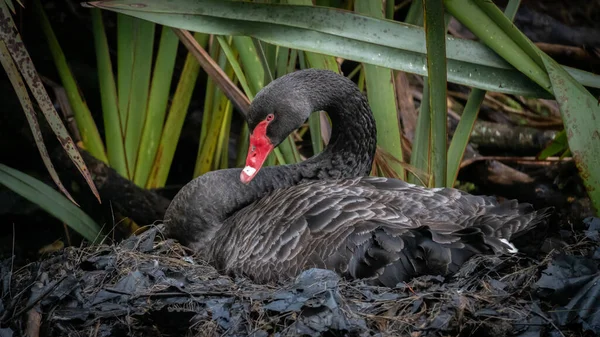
[(295, 229), (358, 237), (377, 228)]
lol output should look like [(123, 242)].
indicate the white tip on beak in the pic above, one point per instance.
[(249, 170)]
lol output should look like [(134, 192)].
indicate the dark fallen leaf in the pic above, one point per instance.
[(573, 283), (142, 243), (593, 228), (593, 223), (416, 305), (7, 332), (62, 290), (219, 309)]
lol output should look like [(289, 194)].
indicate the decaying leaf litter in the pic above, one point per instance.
[(149, 285)]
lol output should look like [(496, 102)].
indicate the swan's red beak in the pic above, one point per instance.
[(259, 149)]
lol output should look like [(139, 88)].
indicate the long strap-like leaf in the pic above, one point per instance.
[(355, 37)]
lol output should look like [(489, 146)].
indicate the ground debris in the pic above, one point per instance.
[(572, 284), (148, 286)]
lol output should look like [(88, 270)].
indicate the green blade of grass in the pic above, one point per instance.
[(157, 104), (415, 13), (10, 5), (316, 139), (292, 61), (283, 55), (175, 118), (108, 94), (208, 108), (207, 154), (243, 143), (143, 41), (267, 53), (361, 80), (506, 25), (462, 134), (125, 52), (420, 157), (355, 71), (389, 9), (511, 9), (253, 68), (382, 97), (209, 97), (435, 33), (237, 69), (49, 200), (321, 61), (221, 152), (558, 144), (288, 151), (220, 155), (85, 123)]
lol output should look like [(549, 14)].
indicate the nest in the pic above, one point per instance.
[(149, 286)]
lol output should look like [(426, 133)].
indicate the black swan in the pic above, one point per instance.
[(272, 223)]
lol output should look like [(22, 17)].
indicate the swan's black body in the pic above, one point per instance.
[(326, 212)]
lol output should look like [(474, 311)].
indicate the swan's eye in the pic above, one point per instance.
[(270, 117)]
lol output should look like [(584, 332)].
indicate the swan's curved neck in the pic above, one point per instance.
[(203, 205), (350, 151)]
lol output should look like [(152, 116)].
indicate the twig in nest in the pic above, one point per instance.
[(34, 321), (520, 160)]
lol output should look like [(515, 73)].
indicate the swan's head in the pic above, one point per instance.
[(278, 109)]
